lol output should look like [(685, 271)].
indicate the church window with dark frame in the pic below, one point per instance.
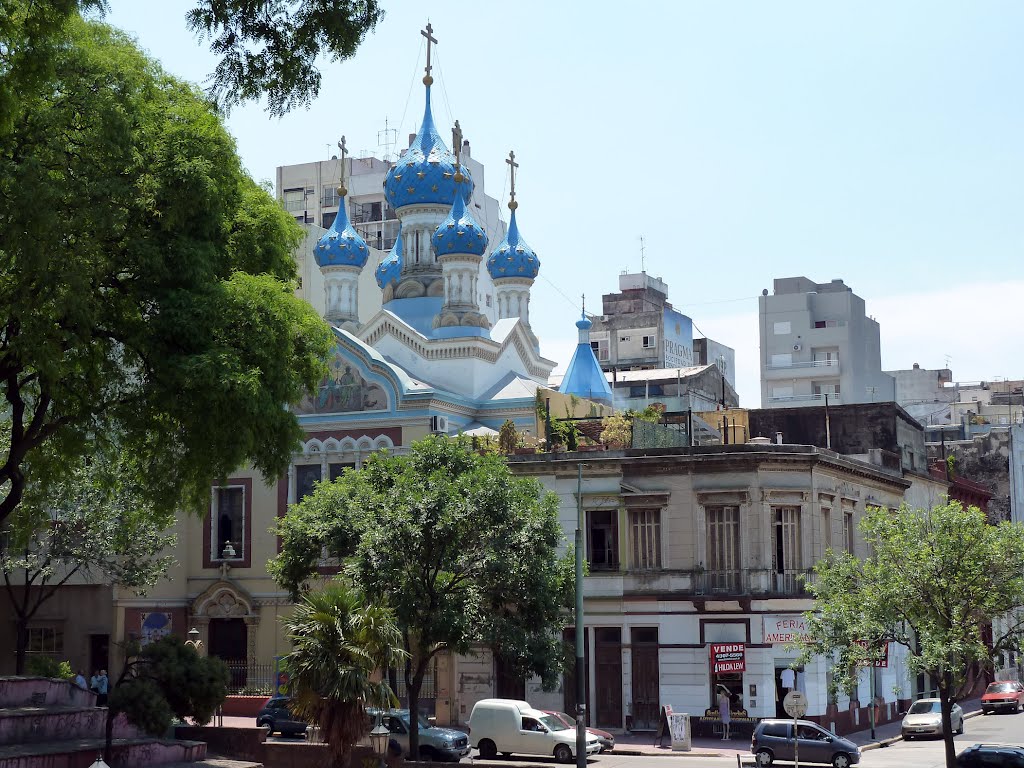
[(228, 522)]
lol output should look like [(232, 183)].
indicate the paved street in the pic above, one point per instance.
[(638, 753)]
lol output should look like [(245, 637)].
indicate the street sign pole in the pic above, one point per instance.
[(795, 705)]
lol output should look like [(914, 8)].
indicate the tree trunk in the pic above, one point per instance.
[(21, 643), (946, 703), (414, 686)]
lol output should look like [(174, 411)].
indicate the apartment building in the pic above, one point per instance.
[(817, 342)]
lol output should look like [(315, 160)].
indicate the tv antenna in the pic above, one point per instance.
[(387, 138), (643, 249), (949, 359)]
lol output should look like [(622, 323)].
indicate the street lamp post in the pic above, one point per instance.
[(379, 737), (193, 640), (581, 667)]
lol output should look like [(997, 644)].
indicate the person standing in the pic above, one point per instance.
[(104, 688), (724, 712), (94, 684), (80, 681)]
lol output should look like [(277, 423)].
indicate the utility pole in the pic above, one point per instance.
[(581, 669)]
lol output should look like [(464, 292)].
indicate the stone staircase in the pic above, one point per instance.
[(48, 723)]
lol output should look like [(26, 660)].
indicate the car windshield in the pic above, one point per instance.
[(1001, 688), (924, 707), (553, 723)]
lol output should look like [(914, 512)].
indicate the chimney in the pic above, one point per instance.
[(412, 138), (778, 438), (465, 148)]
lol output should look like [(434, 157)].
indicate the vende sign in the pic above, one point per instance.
[(780, 630), (728, 657)]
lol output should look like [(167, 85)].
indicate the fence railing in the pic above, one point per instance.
[(736, 582), (248, 678)]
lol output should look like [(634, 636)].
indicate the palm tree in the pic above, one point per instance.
[(339, 642)]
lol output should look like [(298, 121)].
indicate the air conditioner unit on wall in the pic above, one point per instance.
[(797, 347), (439, 424)]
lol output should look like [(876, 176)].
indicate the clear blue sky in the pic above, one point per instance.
[(878, 142)]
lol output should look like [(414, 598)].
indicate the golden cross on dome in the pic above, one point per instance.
[(512, 164), (429, 34), (341, 186)]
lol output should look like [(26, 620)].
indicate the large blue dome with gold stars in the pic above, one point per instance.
[(513, 257), (425, 174), (459, 233), (390, 267), (341, 246)]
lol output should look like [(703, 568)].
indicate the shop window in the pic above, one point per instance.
[(723, 527), (645, 535), (228, 522), (603, 539)]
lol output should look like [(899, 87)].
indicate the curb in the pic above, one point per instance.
[(893, 739), (667, 753)]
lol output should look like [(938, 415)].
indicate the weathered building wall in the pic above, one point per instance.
[(985, 460)]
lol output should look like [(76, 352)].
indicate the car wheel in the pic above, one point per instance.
[(487, 748), (763, 758), (841, 760), (429, 754), (563, 754), (268, 724)]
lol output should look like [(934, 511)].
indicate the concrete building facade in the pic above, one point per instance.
[(817, 342)]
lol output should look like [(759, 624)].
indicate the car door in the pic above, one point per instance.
[(813, 747), (782, 746), (533, 738), (956, 718), (399, 731)]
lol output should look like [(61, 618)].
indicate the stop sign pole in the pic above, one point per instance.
[(795, 705)]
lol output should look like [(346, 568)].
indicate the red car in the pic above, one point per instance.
[(1003, 694), (606, 739)]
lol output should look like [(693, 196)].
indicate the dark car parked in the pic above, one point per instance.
[(991, 756), (773, 740), (276, 716)]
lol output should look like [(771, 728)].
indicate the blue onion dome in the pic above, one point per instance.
[(513, 258), (425, 174), (390, 267), (584, 324), (459, 233), (341, 246)]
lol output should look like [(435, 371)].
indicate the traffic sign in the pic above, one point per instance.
[(795, 704)]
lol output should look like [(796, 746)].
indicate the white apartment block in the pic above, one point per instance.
[(817, 343)]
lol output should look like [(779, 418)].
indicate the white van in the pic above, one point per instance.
[(510, 726)]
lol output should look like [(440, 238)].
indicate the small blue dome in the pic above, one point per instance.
[(513, 258), (459, 233), (341, 246), (390, 267), (584, 323), (425, 174)]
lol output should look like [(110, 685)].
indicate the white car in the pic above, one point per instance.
[(511, 726), (924, 718)]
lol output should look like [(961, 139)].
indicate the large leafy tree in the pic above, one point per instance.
[(937, 582), (163, 680), (91, 522), (465, 553), (339, 642), (146, 282), (266, 47)]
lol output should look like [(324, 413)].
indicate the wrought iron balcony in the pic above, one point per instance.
[(714, 584)]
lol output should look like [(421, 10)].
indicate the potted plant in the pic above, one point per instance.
[(617, 431)]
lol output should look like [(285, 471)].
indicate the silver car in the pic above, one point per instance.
[(924, 718)]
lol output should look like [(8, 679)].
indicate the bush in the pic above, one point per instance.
[(47, 666)]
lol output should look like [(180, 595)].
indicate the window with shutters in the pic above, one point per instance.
[(723, 572), (786, 561), (848, 532), (826, 528), (645, 535)]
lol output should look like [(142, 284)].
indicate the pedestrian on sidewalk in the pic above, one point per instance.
[(103, 688), (724, 712)]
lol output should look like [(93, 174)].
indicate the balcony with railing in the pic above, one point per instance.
[(778, 369), (703, 584), (808, 399)]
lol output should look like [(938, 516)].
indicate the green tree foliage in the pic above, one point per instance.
[(162, 680), (338, 642), (146, 281), (271, 47), (936, 582), (91, 520), (266, 47), (465, 553), (508, 438)]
